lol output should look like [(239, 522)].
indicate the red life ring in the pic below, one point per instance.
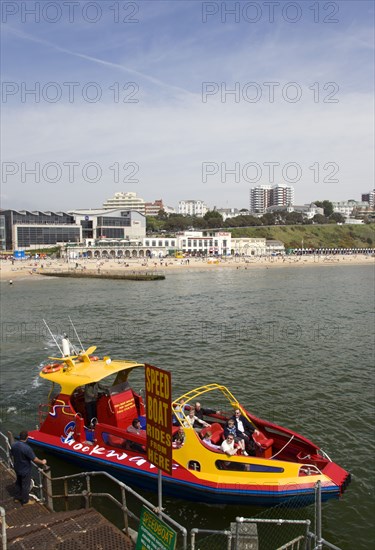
[(52, 367), (94, 358)]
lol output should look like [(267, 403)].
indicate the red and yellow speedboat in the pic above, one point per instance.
[(285, 464)]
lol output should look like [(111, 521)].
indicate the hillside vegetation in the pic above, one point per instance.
[(314, 236)]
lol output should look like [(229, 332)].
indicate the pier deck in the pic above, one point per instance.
[(34, 526)]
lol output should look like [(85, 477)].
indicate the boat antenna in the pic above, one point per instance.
[(54, 339), (76, 333)]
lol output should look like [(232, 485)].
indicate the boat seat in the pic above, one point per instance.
[(216, 430), (116, 441), (264, 444)]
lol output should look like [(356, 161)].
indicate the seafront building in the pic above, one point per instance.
[(264, 196), (192, 208), (125, 201), (351, 207), (185, 244), (24, 229), (307, 210)]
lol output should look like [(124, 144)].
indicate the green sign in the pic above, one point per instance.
[(154, 534)]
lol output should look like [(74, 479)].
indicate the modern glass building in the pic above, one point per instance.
[(25, 229)]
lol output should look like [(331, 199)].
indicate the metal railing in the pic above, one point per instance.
[(44, 483), (43, 487), (306, 541)]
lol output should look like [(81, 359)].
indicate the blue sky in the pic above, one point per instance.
[(168, 140)]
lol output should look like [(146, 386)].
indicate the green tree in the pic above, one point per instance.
[(214, 214), (294, 218), (177, 222), (162, 215), (319, 218), (268, 218), (327, 207), (153, 224), (336, 217)]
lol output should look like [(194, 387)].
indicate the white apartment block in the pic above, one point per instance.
[(282, 195), (260, 199), (264, 196), (192, 208), (346, 207), (307, 210), (125, 201)]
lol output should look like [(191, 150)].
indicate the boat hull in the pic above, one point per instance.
[(136, 471)]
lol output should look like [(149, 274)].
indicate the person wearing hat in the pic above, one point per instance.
[(23, 456)]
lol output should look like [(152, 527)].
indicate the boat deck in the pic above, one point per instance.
[(34, 526)]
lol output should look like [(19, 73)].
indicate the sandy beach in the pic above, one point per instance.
[(31, 269)]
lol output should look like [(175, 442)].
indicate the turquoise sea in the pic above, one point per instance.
[(295, 345)]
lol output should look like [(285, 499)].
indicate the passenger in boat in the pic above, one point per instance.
[(193, 421), (200, 412), (207, 439), (23, 455), (178, 439), (91, 393), (135, 428), (246, 429), (239, 438), (228, 446)]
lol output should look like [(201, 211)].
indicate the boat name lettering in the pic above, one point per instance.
[(139, 461), (80, 447), (157, 411), (119, 456), (157, 382), (109, 453)]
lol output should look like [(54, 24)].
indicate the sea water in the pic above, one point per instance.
[(295, 345)]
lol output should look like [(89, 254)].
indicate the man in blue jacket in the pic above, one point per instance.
[(23, 456)]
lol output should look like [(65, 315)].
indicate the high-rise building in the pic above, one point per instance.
[(260, 198), (282, 195), (263, 196), (125, 201), (192, 208), (369, 197)]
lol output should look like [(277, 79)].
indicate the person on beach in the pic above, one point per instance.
[(23, 456)]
